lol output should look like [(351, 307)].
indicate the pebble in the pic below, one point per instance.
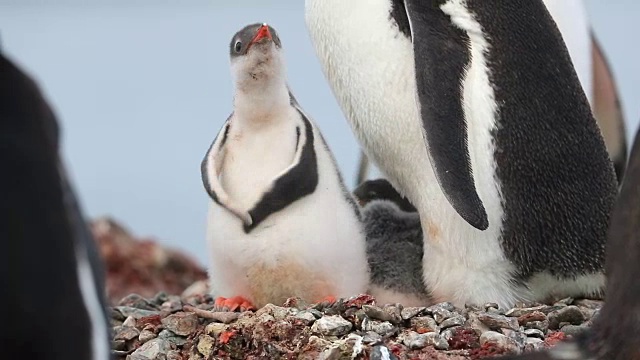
[(495, 321), (517, 312), (395, 311), (533, 316), (383, 328), (332, 325), (119, 345), (423, 324), (130, 321), (146, 335), (116, 315), (409, 312), (517, 336), (569, 314), (172, 337), (490, 305), (171, 306), (573, 330), (205, 345), (448, 333), (533, 344), (125, 333), (215, 329), (135, 301), (376, 313), (278, 312), (540, 325), (441, 314), (151, 350), (418, 341), (135, 313), (456, 320), (381, 352), (306, 317), (534, 333), (371, 337), (181, 323), (443, 305), (476, 325), (500, 340)]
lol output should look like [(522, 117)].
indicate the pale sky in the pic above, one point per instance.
[(141, 87)]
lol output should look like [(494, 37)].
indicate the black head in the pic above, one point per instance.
[(250, 35), (381, 189)]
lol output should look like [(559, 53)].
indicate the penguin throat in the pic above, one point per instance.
[(261, 100)]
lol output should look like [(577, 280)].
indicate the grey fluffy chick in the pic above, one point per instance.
[(394, 245)]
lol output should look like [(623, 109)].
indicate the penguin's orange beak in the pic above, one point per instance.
[(263, 32)]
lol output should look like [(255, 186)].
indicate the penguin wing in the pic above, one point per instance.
[(441, 54), (294, 182), (210, 170)]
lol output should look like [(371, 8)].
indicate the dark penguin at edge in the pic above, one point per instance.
[(614, 334), (50, 270)]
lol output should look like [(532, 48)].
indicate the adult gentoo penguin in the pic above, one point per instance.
[(614, 334), (50, 272), (473, 111), (281, 221), (594, 73)]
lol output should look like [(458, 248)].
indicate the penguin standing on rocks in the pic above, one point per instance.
[(281, 221), (394, 244), (473, 111), (51, 275), (614, 334)]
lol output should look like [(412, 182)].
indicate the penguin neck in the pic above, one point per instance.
[(261, 100)]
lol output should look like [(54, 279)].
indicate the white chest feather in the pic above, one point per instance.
[(256, 154)]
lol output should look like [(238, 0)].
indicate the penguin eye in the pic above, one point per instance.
[(238, 46)]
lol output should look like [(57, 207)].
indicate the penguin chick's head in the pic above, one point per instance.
[(381, 189), (255, 54)]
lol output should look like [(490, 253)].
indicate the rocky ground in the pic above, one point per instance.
[(160, 312), (184, 327)]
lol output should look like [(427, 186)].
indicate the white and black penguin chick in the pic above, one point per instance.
[(614, 334), (394, 244), (281, 221)]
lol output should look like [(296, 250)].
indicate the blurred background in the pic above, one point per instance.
[(141, 88)]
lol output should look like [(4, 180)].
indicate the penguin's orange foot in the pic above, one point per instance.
[(233, 304)]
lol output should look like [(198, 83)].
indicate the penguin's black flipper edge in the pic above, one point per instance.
[(295, 182), (441, 57), (210, 170)]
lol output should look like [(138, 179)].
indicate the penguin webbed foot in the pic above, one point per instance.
[(232, 304)]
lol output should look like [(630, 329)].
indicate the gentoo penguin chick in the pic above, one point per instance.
[(381, 189), (490, 138), (614, 334), (394, 245), (47, 247), (281, 221)]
